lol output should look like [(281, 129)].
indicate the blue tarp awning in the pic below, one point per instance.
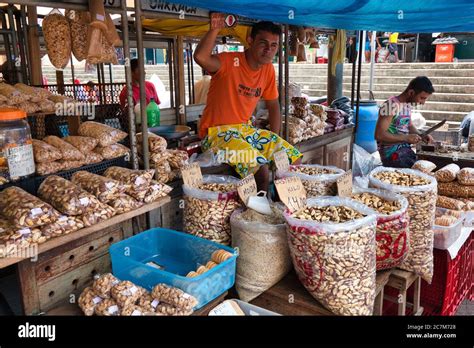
[(406, 16)]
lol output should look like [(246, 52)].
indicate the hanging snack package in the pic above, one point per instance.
[(105, 189), (421, 192), (136, 182), (24, 209), (333, 248), (79, 22), (83, 144), (112, 151), (393, 234), (43, 152), (208, 207), (264, 257), (111, 34), (98, 14), (68, 152), (317, 180), (67, 197), (106, 135), (99, 49), (57, 37)]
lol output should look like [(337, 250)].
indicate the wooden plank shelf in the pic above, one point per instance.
[(68, 238)]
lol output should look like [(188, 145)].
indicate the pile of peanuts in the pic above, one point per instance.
[(401, 179), (338, 214), (381, 205)]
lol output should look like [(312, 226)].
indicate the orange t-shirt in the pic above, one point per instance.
[(235, 91)]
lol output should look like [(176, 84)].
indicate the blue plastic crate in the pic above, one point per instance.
[(176, 254)]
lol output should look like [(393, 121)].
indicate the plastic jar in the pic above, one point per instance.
[(16, 148)]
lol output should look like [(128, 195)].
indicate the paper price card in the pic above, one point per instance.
[(247, 187), (344, 184), (292, 193), (192, 175), (281, 160), (444, 127)]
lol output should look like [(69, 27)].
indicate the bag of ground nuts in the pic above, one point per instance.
[(317, 180), (112, 151), (424, 166), (24, 209), (448, 173), (124, 203), (47, 168), (88, 300), (43, 152), (156, 191), (67, 197), (57, 37), (69, 152), (466, 176), (83, 144), (264, 257), (106, 135), (207, 208), (333, 249), (455, 190), (136, 182), (421, 192), (156, 144), (105, 189), (393, 233)]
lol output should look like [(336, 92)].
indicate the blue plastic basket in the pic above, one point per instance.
[(176, 254)]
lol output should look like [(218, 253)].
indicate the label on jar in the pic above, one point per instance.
[(155, 303), (20, 160), (97, 300)]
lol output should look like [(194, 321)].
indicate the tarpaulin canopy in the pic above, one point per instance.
[(193, 28), (406, 16)]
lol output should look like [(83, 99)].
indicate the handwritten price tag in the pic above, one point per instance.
[(444, 127), (281, 160), (292, 193), (247, 187), (344, 184), (192, 175)]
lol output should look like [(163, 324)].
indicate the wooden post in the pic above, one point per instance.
[(60, 81), (181, 83), (36, 74), (335, 86)]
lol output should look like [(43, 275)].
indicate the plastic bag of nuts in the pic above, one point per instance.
[(156, 144), (332, 245), (93, 157), (163, 172), (78, 21), (421, 192), (137, 182), (466, 176), (83, 144), (112, 151), (107, 308), (450, 203), (393, 236), (424, 166), (57, 36), (69, 152), (103, 283), (264, 257), (24, 209), (124, 203), (174, 296), (105, 189), (104, 134), (317, 180), (67, 165), (177, 158), (88, 300), (102, 213), (43, 152), (67, 197), (455, 190), (156, 191), (447, 173), (64, 225), (207, 209), (132, 310), (126, 293), (47, 168)]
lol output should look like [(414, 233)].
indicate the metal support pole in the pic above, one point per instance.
[(280, 75), (417, 43), (363, 46), (170, 58), (372, 61), (141, 69), (358, 79), (188, 60), (74, 92), (192, 72), (128, 82), (287, 82), (16, 54), (353, 79)]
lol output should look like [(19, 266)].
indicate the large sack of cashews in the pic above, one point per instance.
[(207, 208), (332, 245), (393, 233), (421, 192)]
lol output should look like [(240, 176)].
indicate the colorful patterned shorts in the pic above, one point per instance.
[(245, 147)]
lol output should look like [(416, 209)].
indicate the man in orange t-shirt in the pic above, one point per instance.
[(239, 81)]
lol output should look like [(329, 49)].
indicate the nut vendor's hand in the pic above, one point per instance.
[(428, 139), (413, 138)]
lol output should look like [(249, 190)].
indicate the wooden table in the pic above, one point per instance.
[(63, 266), (289, 297)]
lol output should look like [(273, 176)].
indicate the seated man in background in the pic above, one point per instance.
[(395, 132), (239, 81)]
